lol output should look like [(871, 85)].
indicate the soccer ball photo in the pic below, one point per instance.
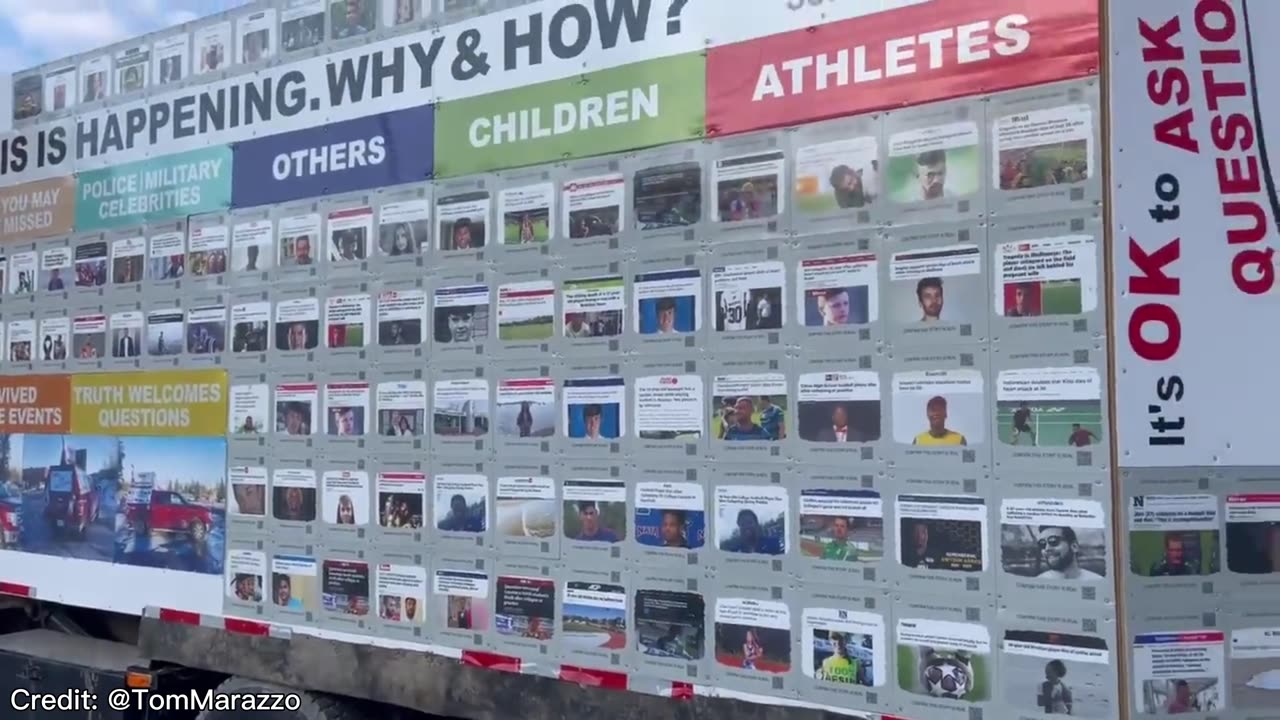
[(946, 675)]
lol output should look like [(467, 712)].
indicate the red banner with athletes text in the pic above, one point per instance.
[(921, 53)]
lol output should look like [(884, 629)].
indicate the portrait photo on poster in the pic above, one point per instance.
[(934, 288), (252, 245), (246, 578), (250, 409), (750, 407), (1055, 673), (944, 660), (293, 495), (1053, 539), (840, 525), (207, 330), (594, 408), (350, 232), (667, 196), (295, 586), (346, 408), (838, 291), (207, 248), (593, 307), (594, 511), (461, 314), (402, 318), (401, 594), (345, 497), (464, 221), (670, 515), (1174, 535), (945, 533), (839, 407), (526, 213), (404, 228), (843, 647), (939, 408), (931, 164), (753, 635), (462, 600), (667, 302), (251, 328), (248, 496), (299, 237), (346, 321), (298, 324), (167, 257), (128, 260), (296, 409)]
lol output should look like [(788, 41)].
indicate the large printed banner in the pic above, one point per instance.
[(1196, 211), (37, 209), (167, 187), (916, 54), (117, 467), (633, 106), (376, 151)]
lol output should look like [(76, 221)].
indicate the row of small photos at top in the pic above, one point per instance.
[(827, 524), (1041, 283), (844, 647), (1048, 410)]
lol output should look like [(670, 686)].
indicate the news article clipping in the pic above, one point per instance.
[(346, 321), (841, 526), (838, 291), (295, 587), (843, 647), (1052, 673), (461, 505), (667, 302), (749, 407), (126, 336), (751, 519), (753, 636), (595, 516), (344, 587), (464, 221), (594, 408), (404, 228), (1252, 540), (246, 576), (1173, 536), (165, 333), (297, 409), (593, 206), (207, 330), (526, 214), (525, 408), (128, 260), (593, 307), (293, 497), (935, 293), (345, 498), (297, 324), (749, 187), (1051, 407), (670, 516), (937, 409), (299, 241), (402, 408), (942, 533), (250, 410), (1053, 544), (837, 175), (526, 311), (55, 270), (749, 297), (91, 265), (526, 514), (594, 619), (670, 626), (460, 408), (1045, 147), (166, 257), (401, 594), (248, 497), (252, 245), (461, 314), (401, 318), (1046, 277), (88, 337), (524, 608), (669, 407), (24, 269), (1254, 668), (207, 250), (944, 660), (401, 499), (350, 234), (461, 600), (1179, 672), (839, 407), (934, 165), (667, 196)]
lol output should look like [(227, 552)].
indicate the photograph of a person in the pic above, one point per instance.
[(400, 510), (1053, 552), (293, 504), (937, 544), (752, 647), (462, 233), (293, 417), (668, 196), (668, 315), (837, 306), (95, 86), (594, 222), (594, 521), (934, 163), (1057, 163), (750, 535), (746, 417), (351, 18), (527, 418), (460, 514), (838, 175), (851, 421), (1174, 553), (526, 227), (830, 535), (1053, 673), (938, 433), (297, 335), (403, 238), (593, 421), (1181, 696), (845, 658), (1036, 298)]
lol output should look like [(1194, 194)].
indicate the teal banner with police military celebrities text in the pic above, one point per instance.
[(163, 188)]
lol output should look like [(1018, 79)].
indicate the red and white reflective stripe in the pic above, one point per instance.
[(17, 590)]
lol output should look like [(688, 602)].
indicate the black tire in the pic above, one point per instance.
[(199, 531), (314, 706)]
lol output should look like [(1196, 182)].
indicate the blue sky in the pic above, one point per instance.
[(184, 459), (37, 31)]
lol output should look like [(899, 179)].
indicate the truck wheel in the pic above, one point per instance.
[(314, 706), (199, 531)]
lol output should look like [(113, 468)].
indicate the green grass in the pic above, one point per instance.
[(907, 659), (1061, 297), (511, 232), (1051, 421), (816, 204), (527, 331)]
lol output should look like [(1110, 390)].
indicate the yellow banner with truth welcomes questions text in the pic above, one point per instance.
[(190, 403)]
